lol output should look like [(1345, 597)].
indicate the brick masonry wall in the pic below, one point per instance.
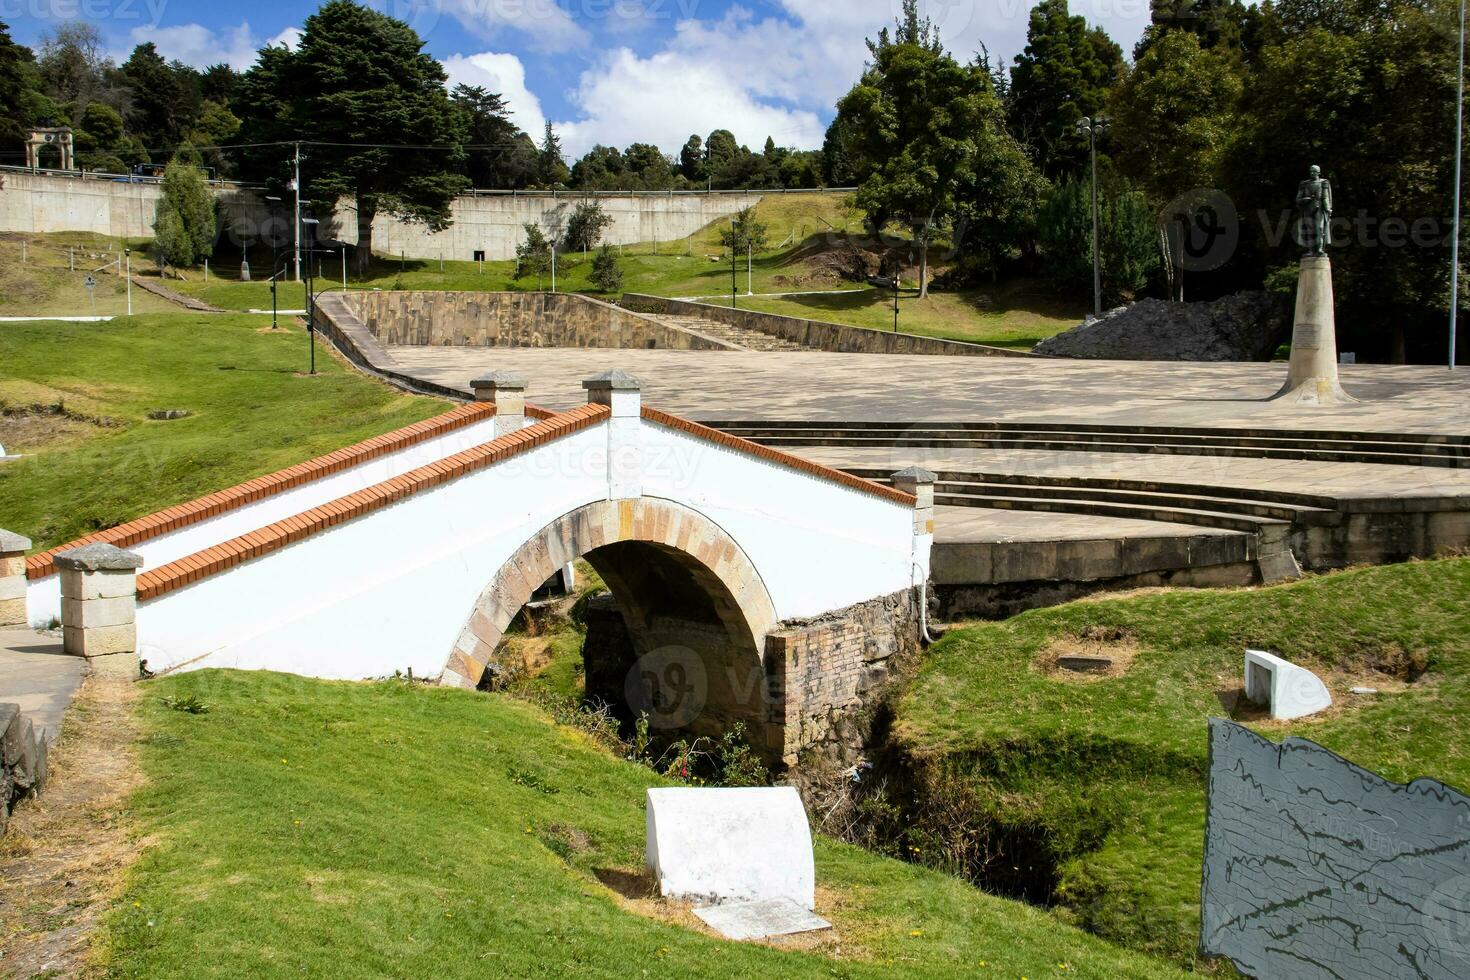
[(825, 677), (460, 319)]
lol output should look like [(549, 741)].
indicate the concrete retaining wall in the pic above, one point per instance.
[(817, 334), (454, 319), (38, 203)]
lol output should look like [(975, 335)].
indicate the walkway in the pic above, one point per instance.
[(35, 674)]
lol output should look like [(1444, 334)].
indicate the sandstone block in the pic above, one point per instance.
[(92, 613), (115, 666), (101, 641), (12, 612), (78, 584)]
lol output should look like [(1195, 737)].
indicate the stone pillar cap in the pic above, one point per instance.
[(614, 380), (499, 381), (11, 542), (915, 474), (99, 557)]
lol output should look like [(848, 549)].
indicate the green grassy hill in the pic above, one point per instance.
[(75, 398), (1091, 795), (352, 830), (46, 275)]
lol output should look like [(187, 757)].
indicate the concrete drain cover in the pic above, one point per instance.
[(1080, 663), (761, 920)]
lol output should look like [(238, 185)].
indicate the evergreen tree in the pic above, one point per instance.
[(606, 273), (586, 225), (551, 168), (374, 104), (691, 160), (1128, 231), (533, 256), (1063, 74), (184, 226), (496, 156), (21, 102)]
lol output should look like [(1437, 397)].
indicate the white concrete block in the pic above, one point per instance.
[(1287, 691), (731, 845), (761, 920)]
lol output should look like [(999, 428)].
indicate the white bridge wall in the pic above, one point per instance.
[(392, 590), (43, 596), (32, 203)]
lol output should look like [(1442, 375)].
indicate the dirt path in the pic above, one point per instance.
[(64, 856)]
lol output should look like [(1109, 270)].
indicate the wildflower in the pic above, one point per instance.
[(916, 932)]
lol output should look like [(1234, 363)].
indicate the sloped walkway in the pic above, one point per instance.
[(739, 336), (38, 676)]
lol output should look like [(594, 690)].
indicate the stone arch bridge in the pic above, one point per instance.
[(753, 586)]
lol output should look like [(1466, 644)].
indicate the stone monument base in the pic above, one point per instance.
[(1311, 377)]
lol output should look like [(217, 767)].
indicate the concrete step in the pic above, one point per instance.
[(739, 336), (1328, 447), (1211, 504), (1102, 508)]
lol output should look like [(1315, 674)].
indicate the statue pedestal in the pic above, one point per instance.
[(1311, 378)]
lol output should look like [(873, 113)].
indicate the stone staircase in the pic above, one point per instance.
[(738, 336)]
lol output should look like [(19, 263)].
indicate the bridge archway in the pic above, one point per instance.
[(695, 608)]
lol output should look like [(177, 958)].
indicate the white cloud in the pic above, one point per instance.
[(548, 25), (197, 45), (502, 73), (290, 37)]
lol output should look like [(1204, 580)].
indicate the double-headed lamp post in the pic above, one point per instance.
[(1092, 129)]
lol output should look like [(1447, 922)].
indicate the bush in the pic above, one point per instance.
[(606, 274)]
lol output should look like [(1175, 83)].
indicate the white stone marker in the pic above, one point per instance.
[(714, 846), (1287, 690), (761, 920)]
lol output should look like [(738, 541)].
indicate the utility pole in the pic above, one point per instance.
[(734, 283), (296, 226), (1459, 158), (895, 301), (128, 259)]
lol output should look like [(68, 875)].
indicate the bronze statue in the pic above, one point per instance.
[(1314, 198)]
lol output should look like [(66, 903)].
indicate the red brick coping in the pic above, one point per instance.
[(177, 574), (43, 564), (776, 456)]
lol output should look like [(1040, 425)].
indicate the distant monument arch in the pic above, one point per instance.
[(57, 137)]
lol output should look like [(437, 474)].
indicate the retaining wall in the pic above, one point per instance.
[(816, 334), (456, 319), (493, 223)]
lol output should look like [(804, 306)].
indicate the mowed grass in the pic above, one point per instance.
[(47, 275), (1111, 774), (253, 408), (1009, 318), (387, 829)]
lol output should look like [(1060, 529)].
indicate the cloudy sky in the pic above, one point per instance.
[(604, 71)]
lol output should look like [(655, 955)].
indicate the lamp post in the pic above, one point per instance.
[(309, 229), (128, 275), (274, 203), (1459, 157), (1092, 129), (734, 283), (895, 300)]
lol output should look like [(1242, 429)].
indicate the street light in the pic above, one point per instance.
[(1459, 157), (274, 204), (734, 283), (308, 226), (1092, 129)]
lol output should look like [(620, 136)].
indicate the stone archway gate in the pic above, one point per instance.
[(413, 551)]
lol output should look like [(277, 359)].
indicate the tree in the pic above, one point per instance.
[(533, 256), (164, 99), (1129, 238), (375, 107), (1174, 114), (649, 169), (606, 274), (499, 155), (551, 168), (998, 198), (21, 102), (601, 169), (745, 235), (586, 225), (691, 160), (910, 124), (1063, 74), (720, 152), (184, 226), (74, 72)]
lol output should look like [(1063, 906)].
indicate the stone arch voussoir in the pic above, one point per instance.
[(644, 519)]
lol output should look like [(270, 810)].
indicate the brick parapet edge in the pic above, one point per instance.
[(246, 547), (779, 458), (42, 564)]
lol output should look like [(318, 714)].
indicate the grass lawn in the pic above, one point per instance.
[(387, 829), (1008, 318), (1110, 776), (253, 411), (41, 279)]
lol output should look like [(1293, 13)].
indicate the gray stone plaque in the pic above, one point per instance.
[(1316, 868), (761, 920), (1307, 336)]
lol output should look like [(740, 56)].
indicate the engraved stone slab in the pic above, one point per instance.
[(1307, 336), (1316, 868), (761, 920)]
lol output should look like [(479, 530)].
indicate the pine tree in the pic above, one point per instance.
[(606, 274), (551, 168)]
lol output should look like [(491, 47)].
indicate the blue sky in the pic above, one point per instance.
[(603, 71)]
